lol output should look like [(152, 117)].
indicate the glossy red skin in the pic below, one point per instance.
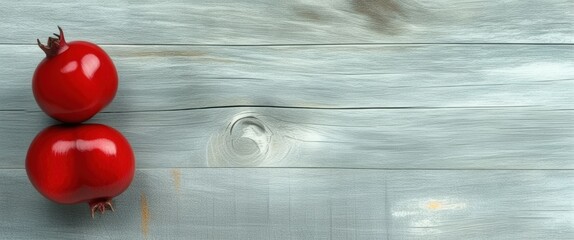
[(82, 163), (75, 84)]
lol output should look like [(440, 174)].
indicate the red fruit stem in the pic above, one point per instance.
[(100, 205), (54, 44)]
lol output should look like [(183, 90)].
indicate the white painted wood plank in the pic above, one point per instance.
[(463, 106), (474, 138), (168, 77), (291, 22), (306, 204)]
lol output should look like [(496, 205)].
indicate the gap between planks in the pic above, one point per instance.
[(306, 108), (311, 44), (348, 168)]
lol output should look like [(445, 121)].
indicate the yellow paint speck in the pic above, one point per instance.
[(434, 205), (145, 215), (176, 176)]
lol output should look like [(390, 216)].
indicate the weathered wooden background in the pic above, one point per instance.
[(342, 119)]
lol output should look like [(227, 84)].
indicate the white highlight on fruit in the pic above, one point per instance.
[(70, 67), (90, 63), (105, 145)]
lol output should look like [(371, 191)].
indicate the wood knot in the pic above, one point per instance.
[(249, 137), (247, 141)]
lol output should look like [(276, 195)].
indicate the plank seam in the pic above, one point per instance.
[(310, 44), (301, 107), (352, 168)]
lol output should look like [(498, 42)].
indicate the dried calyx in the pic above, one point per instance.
[(100, 206), (54, 44)]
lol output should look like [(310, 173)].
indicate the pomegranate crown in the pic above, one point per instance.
[(54, 44)]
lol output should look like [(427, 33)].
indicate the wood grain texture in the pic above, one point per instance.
[(307, 204), (182, 77), (292, 22), (343, 119), (475, 138)]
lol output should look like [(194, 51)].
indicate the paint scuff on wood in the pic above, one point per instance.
[(144, 215)]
